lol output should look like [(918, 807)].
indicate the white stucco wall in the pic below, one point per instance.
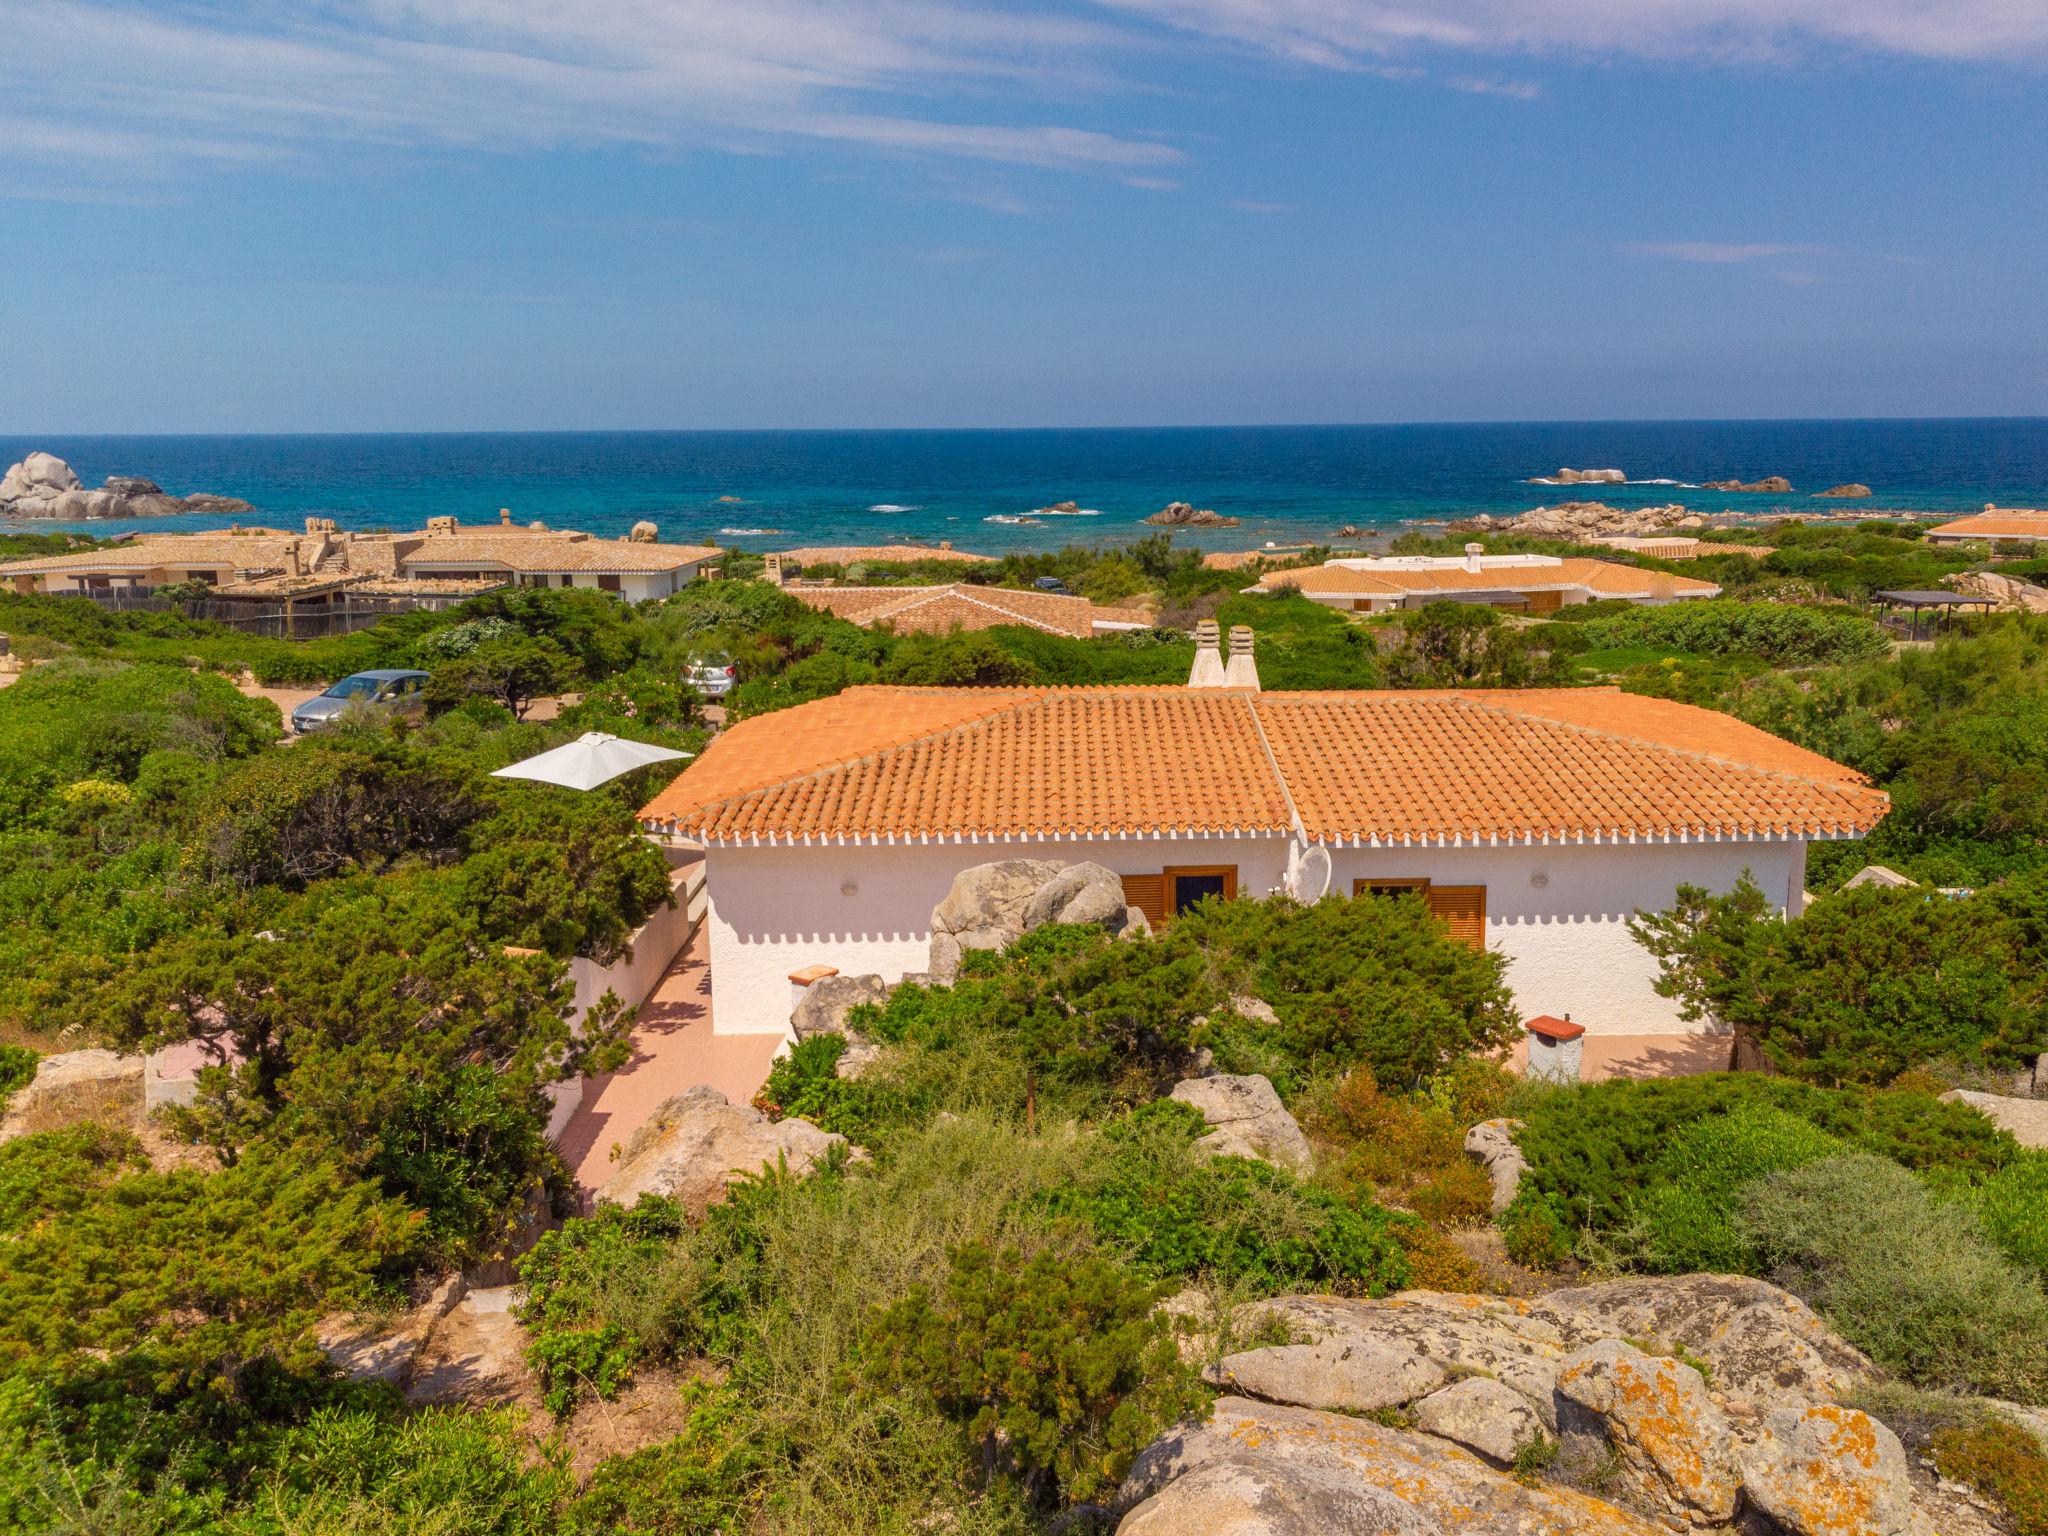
[(777, 910)]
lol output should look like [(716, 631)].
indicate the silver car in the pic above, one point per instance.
[(393, 690), (713, 677)]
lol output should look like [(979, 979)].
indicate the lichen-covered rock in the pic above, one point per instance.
[(695, 1144), (991, 906), (1492, 1144), (1482, 1415), (1080, 893), (1439, 1484), (1246, 1119), (1766, 1347), (1825, 1470), (1262, 1496), (1346, 1376), (1675, 1446), (828, 1000), (2025, 1119)]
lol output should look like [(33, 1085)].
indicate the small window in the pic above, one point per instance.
[(1189, 884), (1462, 907), (608, 583), (568, 580)]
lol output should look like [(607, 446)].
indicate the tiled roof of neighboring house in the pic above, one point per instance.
[(1997, 523), (912, 764), (522, 550), (939, 610), (1602, 577), (1677, 546), (884, 554), (237, 551), (1238, 559)]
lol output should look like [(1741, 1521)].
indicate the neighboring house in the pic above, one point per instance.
[(444, 558), (1676, 546), (941, 610), (1519, 583), (1534, 821), (1992, 525), (879, 554)]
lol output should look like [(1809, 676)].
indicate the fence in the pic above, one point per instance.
[(341, 613)]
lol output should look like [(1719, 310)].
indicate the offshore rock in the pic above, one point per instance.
[(1769, 485), (43, 485), (1180, 514)]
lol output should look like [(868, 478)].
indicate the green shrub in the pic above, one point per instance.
[(805, 1084), (1183, 1213), (1533, 1228), (1595, 1146), (1780, 633), (1910, 1281), (707, 1481), (2013, 1206), (1055, 1366), (1685, 1219), (17, 1069)]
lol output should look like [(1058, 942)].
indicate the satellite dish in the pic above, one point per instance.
[(1308, 873)]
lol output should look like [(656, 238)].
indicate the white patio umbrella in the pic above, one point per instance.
[(589, 761)]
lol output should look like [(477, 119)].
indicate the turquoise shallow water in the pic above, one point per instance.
[(864, 487)]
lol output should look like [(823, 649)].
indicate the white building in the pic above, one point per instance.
[(1521, 583), (1994, 525), (1537, 822)]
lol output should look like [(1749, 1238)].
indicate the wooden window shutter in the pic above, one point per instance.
[(1464, 908), (1148, 894)]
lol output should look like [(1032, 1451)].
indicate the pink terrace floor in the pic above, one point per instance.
[(673, 1051)]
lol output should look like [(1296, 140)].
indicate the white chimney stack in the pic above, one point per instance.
[(1242, 671), (1472, 554), (1207, 671)]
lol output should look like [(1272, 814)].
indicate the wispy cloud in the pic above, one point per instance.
[(1352, 33), (1152, 183), (1513, 90), (1715, 251)]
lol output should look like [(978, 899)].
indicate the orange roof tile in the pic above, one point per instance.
[(1603, 578), (1389, 767), (940, 610), (1996, 523)]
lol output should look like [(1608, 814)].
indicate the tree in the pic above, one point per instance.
[(512, 670), (1464, 645), (563, 872), (963, 659), (1867, 984), (387, 1028)]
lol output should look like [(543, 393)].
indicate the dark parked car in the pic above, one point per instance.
[(391, 690), (1050, 584)]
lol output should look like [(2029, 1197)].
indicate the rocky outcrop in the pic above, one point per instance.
[(43, 485), (75, 1085), (1584, 520), (694, 1145), (828, 1000), (991, 906), (2009, 593), (1696, 1402), (385, 1347), (1439, 1487), (475, 1354), (1582, 477), (1491, 1143), (1770, 485), (2025, 1119), (1824, 1470), (1481, 1415), (1654, 1414), (1246, 1119), (1849, 492), (1180, 514)]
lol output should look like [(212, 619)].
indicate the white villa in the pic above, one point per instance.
[(1537, 822), (1993, 525), (446, 557), (1519, 583)]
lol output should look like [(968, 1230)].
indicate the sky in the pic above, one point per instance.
[(425, 215)]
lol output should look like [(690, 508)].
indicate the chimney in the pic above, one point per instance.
[(1207, 671), (945, 543), (1472, 554), (504, 517), (772, 569), (1242, 671), (440, 524)]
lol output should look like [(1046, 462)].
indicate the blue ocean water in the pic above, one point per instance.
[(1285, 483)]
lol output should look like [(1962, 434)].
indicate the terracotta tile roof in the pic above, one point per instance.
[(885, 554), (1997, 523), (223, 549), (1238, 559), (940, 610), (1602, 578), (1390, 767), (532, 551)]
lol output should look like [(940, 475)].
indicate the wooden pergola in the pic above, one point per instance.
[(1942, 603)]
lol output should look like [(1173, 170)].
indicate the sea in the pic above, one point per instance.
[(984, 490)]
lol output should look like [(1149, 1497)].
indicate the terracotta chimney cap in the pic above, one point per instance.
[(1550, 1028)]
